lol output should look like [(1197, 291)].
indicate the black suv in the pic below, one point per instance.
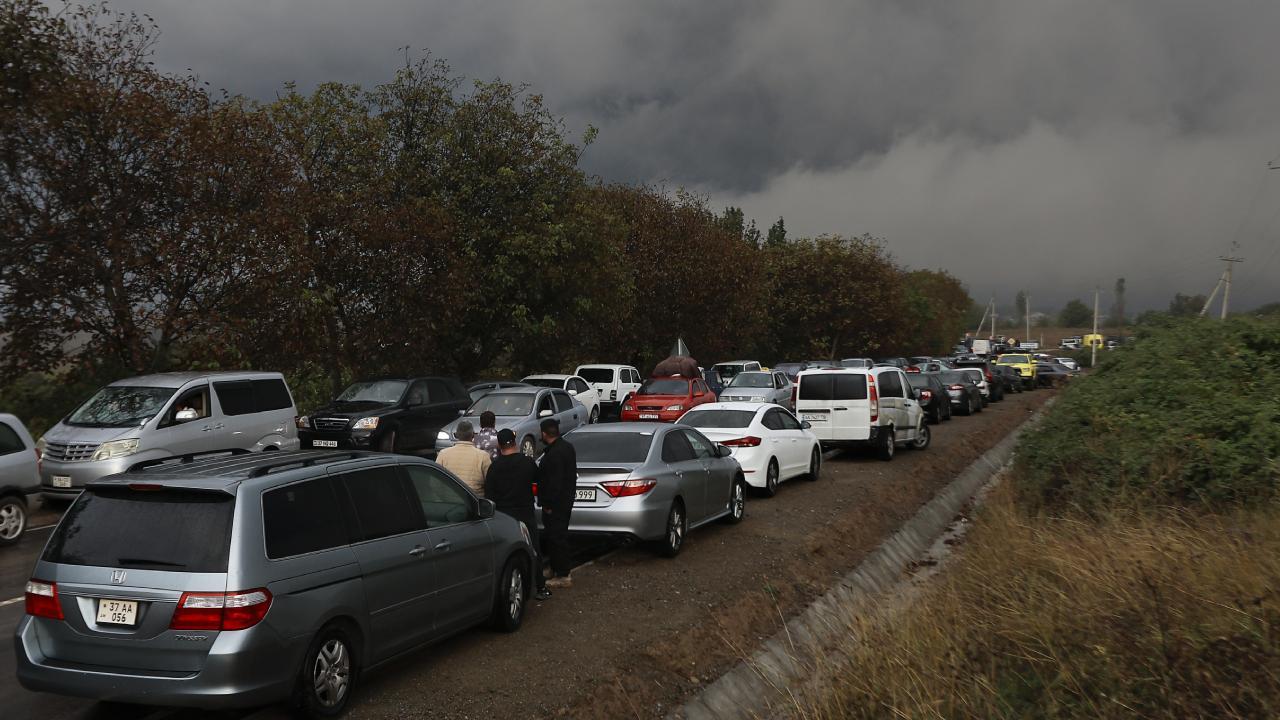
[(390, 414)]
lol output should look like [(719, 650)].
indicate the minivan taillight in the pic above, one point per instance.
[(748, 441), (628, 488), (221, 611), (42, 599), (874, 397)]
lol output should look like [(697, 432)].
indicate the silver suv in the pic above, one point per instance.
[(163, 415), (247, 579)]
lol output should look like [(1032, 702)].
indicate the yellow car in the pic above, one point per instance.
[(1025, 364)]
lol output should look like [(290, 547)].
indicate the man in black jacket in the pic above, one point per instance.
[(557, 483), (509, 484)]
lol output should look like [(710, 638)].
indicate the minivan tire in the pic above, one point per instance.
[(332, 647), (923, 436), (13, 519), (888, 444), (677, 527), (511, 597)]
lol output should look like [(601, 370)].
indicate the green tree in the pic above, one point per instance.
[(1117, 318), (1186, 305), (1020, 306), (777, 236), (1075, 314)]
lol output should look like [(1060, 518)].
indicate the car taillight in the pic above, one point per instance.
[(990, 377), (42, 600), (628, 488), (874, 396), (535, 489), (748, 441), (912, 369), (926, 395), (221, 611), (795, 390)]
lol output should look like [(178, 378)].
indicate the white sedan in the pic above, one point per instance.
[(768, 441), (575, 386)]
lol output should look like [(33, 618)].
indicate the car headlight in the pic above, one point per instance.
[(369, 423), (303, 422), (675, 407), (116, 448), (442, 435)]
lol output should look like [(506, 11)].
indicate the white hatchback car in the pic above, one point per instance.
[(768, 441), (577, 389)]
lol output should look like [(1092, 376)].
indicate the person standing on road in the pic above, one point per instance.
[(557, 481), (465, 460), (509, 484), (487, 438)]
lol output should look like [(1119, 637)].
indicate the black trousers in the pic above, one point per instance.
[(555, 528), (525, 515)]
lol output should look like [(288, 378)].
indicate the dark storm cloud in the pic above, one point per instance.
[(1046, 143)]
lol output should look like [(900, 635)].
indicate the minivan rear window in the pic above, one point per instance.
[(596, 375), (836, 386), (302, 518), (162, 529)]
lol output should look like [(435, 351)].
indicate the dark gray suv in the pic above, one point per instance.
[(246, 579)]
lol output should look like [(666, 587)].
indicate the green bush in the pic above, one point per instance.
[(1187, 416)]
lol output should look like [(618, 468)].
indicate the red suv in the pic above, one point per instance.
[(665, 399)]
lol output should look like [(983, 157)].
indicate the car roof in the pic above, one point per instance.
[(549, 376), (604, 365), (839, 370), (519, 390), (178, 379), (225, 471), (734, 405), (736, 362), (643, 427)]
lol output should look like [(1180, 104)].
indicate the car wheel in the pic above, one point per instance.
[(888, 444), (676, 528), (595, 416), (329, 672), (13, 519), (512, 596), (388, 442), (737, 501), (923, 435), (528, 446), (815, 464), (771, 478)]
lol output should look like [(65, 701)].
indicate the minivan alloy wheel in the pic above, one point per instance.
[(331, 672), (923, 436)]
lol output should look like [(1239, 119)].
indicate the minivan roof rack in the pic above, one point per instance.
[(184, 459), (261, 470)]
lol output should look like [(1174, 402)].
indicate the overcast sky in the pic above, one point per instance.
[(1017, 143)]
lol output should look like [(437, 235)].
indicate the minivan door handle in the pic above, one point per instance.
[(839, 408), (418, 550), (443, 546)]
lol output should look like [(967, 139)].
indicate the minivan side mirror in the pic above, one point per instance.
[(486, 508)]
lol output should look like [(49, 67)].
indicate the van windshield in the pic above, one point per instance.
[(121, 406), (160, 529)]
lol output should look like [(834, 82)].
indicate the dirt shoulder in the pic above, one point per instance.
[(637, 633)]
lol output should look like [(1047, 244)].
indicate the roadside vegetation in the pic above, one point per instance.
[(1128, 566), (429, 224)]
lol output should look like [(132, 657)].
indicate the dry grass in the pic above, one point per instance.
[(1168, 615)]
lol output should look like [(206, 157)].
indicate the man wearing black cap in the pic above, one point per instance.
[(557, 483), (509, 484)]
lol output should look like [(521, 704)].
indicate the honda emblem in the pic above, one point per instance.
[(117, 577)]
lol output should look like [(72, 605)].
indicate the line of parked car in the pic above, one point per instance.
[(223, 550)]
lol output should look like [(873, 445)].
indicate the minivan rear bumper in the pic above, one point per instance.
[(241, 670), (873, 432)]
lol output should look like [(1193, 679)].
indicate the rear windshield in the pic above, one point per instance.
[(120, 406), (953, 378), (596, 375), (836, 386), (664, 387), (711, 419), (611, 447), (919, 381), (167, 529), (544, 382)]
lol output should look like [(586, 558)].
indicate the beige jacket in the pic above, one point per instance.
[(468, 462)]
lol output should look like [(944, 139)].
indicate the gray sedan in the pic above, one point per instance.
[(770, 387), (521, 409), (653, 482)]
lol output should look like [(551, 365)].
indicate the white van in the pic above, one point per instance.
[(165, 415), (612, 383), (862, 407)]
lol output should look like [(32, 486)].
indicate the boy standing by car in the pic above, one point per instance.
[(487, 438), (509, 484), (557, 482)]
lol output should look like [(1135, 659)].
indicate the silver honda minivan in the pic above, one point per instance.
[(246, 579), (163, 415)]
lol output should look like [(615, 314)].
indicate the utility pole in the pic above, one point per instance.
[(1028, 314), (1224, 284), (1093, 341)]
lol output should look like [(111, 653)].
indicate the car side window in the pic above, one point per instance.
[(564, 403), (195, 400), (418, 394), (699, 386), (700, 444), (633, 376), (890, 385), (270, 394), (443, 500), (381, 502), (235, 397), (302, 518), (676, 448), (10, 441), (578, 386), (772, 420), (438, 391), (789, 421), (545, 404)]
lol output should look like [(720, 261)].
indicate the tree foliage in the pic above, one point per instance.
[(1075, 314)]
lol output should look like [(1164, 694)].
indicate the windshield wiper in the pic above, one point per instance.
[(148, 561)]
